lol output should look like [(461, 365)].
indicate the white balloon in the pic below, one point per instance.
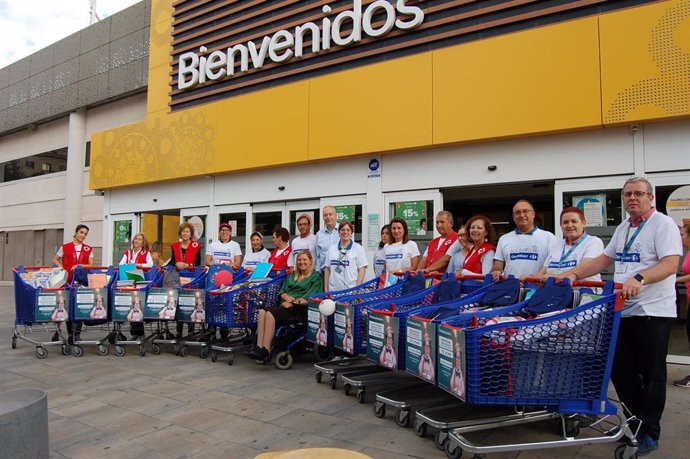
[(327, 307)]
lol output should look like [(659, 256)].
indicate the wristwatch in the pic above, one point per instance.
[(640, 278)]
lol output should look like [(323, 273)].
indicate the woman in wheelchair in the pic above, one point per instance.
[(294, 296)]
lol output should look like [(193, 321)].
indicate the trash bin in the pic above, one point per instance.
[(24, 423)]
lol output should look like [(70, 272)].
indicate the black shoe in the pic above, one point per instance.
[(70, 340), (252, 353), (77, 337), (121, 337), (56, 337), (262, 355)]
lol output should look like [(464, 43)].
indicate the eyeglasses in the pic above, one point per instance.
[(637, 194), (522, 211)]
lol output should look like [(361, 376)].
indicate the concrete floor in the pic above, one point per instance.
[(166, 406)]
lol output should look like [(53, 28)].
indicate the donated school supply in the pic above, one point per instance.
[(261, 272), (45, 277)]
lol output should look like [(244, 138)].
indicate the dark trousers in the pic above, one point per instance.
[(73, 327), (639, 369)]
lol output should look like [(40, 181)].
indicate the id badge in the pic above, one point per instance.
[(621, 268)]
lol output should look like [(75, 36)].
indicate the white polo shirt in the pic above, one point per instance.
[(399, 255), (658, 238), (586, 247), (223, 252)]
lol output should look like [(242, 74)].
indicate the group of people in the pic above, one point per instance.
[(645, 250)]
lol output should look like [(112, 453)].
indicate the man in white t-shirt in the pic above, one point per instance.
[(224, 251), (523, 251), (646, 249), (305, 240)]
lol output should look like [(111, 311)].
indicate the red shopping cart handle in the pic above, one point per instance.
[(582, 283)]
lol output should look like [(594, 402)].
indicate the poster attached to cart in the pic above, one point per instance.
[(382, 346), (317, 325), (191, 305), (52, 306), (451, 361), (128, 305), (343, 325), (420, 357), (91, 304), (161, 304)]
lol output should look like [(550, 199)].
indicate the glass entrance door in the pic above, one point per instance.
[(123, 227), (238, 217)]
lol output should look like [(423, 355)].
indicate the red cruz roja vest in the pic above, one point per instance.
[(436, 252), (189, 255), (140, 258), (473, 261)]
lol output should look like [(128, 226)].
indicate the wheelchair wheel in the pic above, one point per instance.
[(284, 360)]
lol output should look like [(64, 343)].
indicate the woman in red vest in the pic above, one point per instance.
[(139, 253), (482, 236), (186, 255), (68, 257), (281, 254)]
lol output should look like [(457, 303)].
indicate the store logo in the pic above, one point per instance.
[(196, 68)]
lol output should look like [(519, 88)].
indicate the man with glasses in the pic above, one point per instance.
[(326, 236), (646, 249), (523, 251)]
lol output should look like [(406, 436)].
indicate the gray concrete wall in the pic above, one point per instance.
[(104, 61)]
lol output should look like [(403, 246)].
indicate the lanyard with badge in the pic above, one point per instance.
[(565, 255), (341, 255), (622, 267)]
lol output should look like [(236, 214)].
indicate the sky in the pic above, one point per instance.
[(27, 26)]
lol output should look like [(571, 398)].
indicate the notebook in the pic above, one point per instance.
[(261, 272)]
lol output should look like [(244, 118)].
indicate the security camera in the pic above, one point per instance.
[(492, 167)]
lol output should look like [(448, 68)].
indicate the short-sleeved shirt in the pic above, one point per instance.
[(223, 252), (658, 238), (343, 270), (380, 261), (561, 258), (524, 254), (324, 240), (254, 258), (399, 256), (299, 244)]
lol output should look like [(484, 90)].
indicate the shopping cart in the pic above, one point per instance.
[(191, 303), (355, 308), (238, 307), (38, 304), (89, 305), (128, 304), (559, 361)]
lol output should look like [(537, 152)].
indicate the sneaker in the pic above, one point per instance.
[(56, 337), (647, 445), (685, 382)]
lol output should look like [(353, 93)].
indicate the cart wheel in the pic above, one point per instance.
[(156, 349), (347, 389), (203, 353), (184, 351), (214, 356), (440, 439), (77, 351), (66, 349), (322, 352), (41, 352), (360, 396), (142, 351), (334, 381), (402, 418), (570, 429), (120, 351), (318, 376), (420, 429), (284, 360), (231, 359), (620, 453), (14, 341), (379, 409), (452, 450), (103, 350)]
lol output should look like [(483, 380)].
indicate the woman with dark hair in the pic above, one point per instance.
[(281, 254), (257, 254), (576, 249), (380, 255), (402, 254), (294, 296), (68, 257), (346, 262), (482, 237), (186, 253)]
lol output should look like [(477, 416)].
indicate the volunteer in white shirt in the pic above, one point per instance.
[(224, 251), (346, 263), (257, 254), (305, 240), (402, 254)]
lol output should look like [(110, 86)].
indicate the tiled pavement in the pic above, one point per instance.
[(171, 407)]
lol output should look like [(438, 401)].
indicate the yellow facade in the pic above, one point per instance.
[(627, 66)]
